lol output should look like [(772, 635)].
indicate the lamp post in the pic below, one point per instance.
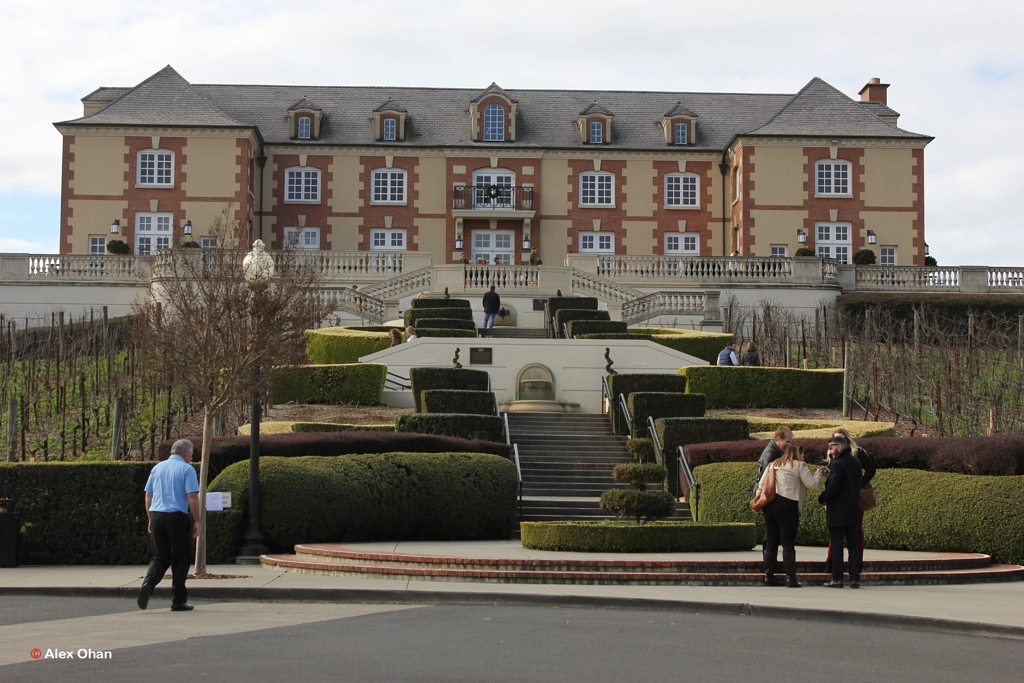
[(258, 269)]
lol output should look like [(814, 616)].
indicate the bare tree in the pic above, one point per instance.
[(212, 327)]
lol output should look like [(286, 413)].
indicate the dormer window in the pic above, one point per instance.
[(595, 124), (494, 123), (679, 125), (305, 118), (492, 116), (596, 132), (389, 121), (390, 129), (681, 137), (305, 127)]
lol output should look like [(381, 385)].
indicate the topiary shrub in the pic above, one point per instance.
[(453, 424), (674, 432), (805, 251), (580, 327), (566, 315), (761, 387), (414, 315), (390, 496), (334, 345), (641, 506), (119, 247), (423, 379), (459, 401), (659, 404), (556, 303), (353, 383), (639, 475), (864, 257), (642, 450), (653, 537), (439, 302), (442, 332), (626, 384), (445, 324)]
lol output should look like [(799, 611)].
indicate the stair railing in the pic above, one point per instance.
[(565, 331), (519, 470), (691, 494), (396, 382), (624, 406), (659, 456)]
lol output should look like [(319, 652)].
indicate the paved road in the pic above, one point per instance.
[(227, 642)]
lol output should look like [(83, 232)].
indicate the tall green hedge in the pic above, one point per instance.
[(452, 424), (351, 383), (390, 496), (438, 302), (626, 384), (921, 511), (438, 332), (659, 404), (556, 303), (566, 315), (333, 345), (760, 387), (444, 323), (459, 401), (581, 327), (414, 315), (703, 345), (423, 379), (674, 432)]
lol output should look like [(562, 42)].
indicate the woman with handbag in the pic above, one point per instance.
[(793, 479), (867, 491)]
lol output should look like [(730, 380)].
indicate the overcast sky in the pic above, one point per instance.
[(956, 72)]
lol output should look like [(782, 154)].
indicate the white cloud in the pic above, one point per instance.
[(17, 246)]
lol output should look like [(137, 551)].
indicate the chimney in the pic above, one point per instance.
[(874, 91)]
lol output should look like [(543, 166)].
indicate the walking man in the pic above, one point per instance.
[(492, 304), (842, 513), (172, 490)]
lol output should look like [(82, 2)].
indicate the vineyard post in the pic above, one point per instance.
[(12, 429), (846, 384), (115, 432)]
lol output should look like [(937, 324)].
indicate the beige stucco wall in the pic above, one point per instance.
[(711, 183), (93, 217), (889, 177), (775, 227), (99, 167), (345, 234), (345, 185), (203, 214), (554, 191), (430, 186), (894, 229), (639, 188), (430, 237), (639, 239), (554, 241), (269, 185), (778, 176), (210, 167)]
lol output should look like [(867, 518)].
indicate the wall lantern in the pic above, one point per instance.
[(872, 237), (801, 236), (188, 227), (526, 242), (115, 227), (926, 250), (458, 243)]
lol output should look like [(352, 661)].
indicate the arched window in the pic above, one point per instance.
[(390, 129), (682, 189), (681, 135), (596, 133), (305, 127), (494, 123)]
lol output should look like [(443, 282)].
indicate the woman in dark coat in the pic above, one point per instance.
[(750, 355)]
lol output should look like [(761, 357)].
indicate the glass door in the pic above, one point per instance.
[(488, 244)]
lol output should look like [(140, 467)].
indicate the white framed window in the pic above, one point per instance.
[(390, 129), (156, 168), (833, 177), (302, 238), (597, 189), (302, 185), (682, 243), (887, 256), (597, 243), (152, 232), (305, 127), (780, 250), (596, 133), (488, 244), (680, 136), (833, 241), (387, 240), (492, 189), (208, 242), (97, 245), (494, 123), (682, 189), (389, 187), (737, 180)]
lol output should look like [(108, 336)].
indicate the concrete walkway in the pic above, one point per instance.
[(985, 609)]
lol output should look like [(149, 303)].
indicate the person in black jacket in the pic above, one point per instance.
[(492, 304), (869, 469), (842, 513)]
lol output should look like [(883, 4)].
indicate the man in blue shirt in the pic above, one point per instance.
[(172, 490)]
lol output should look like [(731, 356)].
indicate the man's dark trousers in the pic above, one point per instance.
[(848, 533), (172, 547)]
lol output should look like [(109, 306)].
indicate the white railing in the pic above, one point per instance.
[(92, 266), (348, 263), (603, 289), (399, 286), (663, 303), (907, 278), (354, 301), (700, 268), (1006, 279), (502, 277)]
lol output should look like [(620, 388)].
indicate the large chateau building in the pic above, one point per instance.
[(495, 172)]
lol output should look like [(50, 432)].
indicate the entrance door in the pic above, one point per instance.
[(490, 243), (492, 190)]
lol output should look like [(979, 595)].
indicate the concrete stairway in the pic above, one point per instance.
[(514, 332), (567, 461)]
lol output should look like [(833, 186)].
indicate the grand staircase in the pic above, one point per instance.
[(513, 332), (567, 461)]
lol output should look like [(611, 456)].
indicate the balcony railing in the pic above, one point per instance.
[(701, 268), (493, 198), (90, 266), (908, 278)]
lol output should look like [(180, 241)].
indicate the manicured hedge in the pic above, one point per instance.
[(674, 432), (950, 304), (390, 496), (445, 324), (226, 450), (659, 404), (864, 430), (555, 304), (350, 383), (642, 506), (760, 387), (422, 379), (770, 424), (333, 345), (654, 537), (452, 424), (459, 401), (438, 332), (921, 511), (413, 315), (581, 327), (566, 315), (703, 345), (627, 384), (439, 302), (1001, 455), (282, 427)]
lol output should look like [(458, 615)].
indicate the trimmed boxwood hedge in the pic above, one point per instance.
[(566, 315), (438, 332), (444, 323), (422, 379), (627, 384), (674, 432), (623, 537), (921, 511), (227, 450), (413, 315), (439, 302), (770, 424), (865, 430), (282, 427), (333, 345), (459, 401), (659, 404), (389, 496), (703, 345), (761, 387), (452, 424), (581, 327), (643, 506), (350, 383), (556, 303)]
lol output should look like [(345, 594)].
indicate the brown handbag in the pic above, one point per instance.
[(767, 494), (867, 498)]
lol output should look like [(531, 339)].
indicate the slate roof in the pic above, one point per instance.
[(391, 105), (679, 110), (438, 117), (304, 103), (878, 109)]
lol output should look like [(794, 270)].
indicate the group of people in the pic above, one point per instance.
[(728, 356), (849, 469)]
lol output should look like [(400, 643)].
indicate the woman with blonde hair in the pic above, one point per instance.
[(867, 465), (793, 479)]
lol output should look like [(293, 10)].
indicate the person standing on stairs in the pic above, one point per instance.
[(793, 479), (492, 304)]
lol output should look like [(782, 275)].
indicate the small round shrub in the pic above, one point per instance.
[(641, 506), (639, 474), (641, 449)]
